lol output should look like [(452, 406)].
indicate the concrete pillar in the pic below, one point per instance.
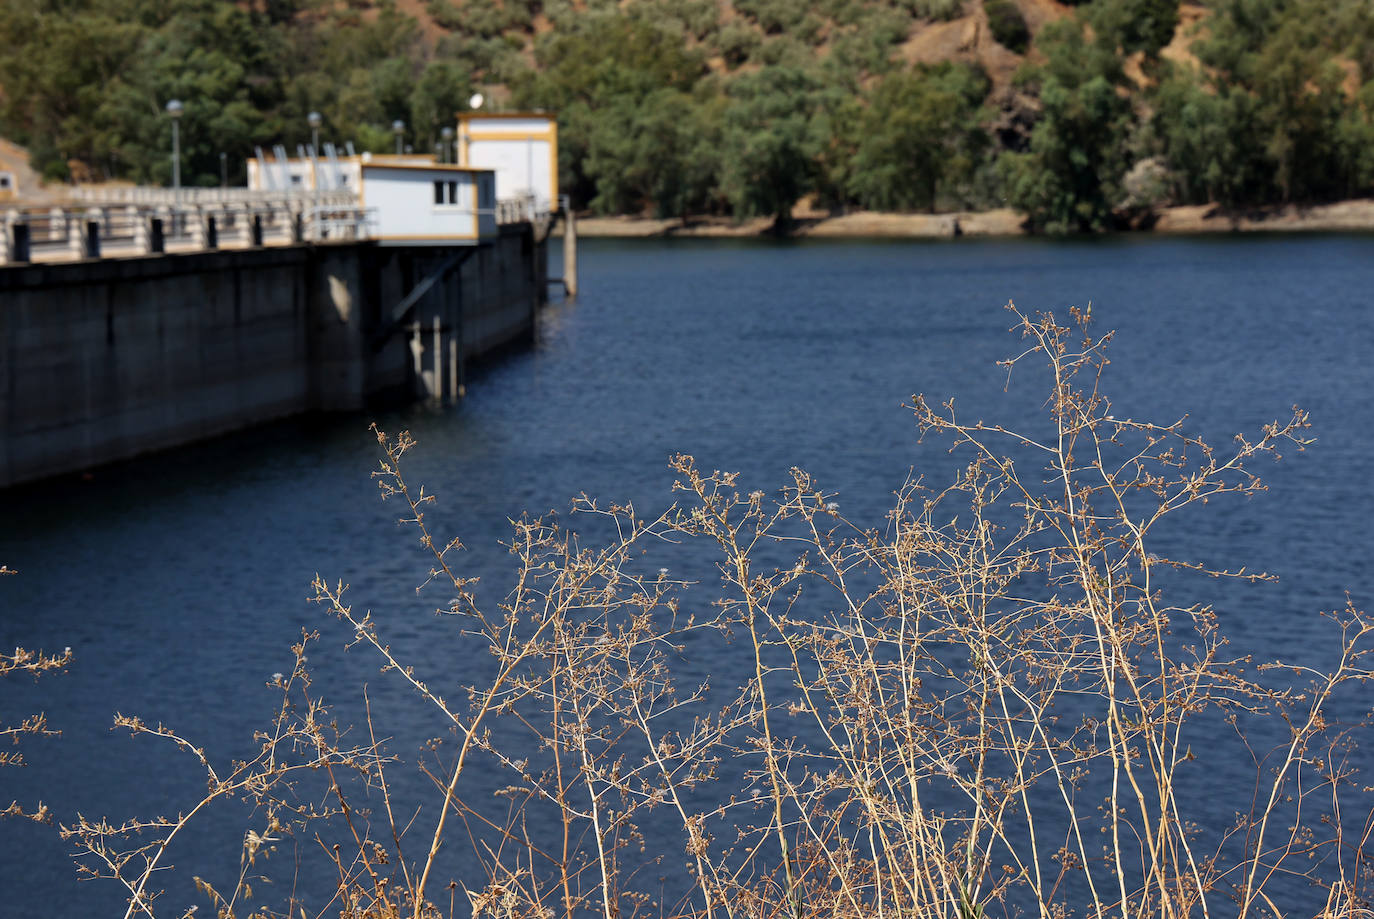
[(569, 251), (437, 389), (93, 231), (157, 241), (454, 390), (18, 237), (417, 350)]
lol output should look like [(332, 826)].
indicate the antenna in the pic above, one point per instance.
[(269, 181), (283, 168), (335, 173)]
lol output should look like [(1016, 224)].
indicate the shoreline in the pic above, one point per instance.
[(1351, 215)]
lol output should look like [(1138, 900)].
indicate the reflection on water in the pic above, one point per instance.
[(181, 580)]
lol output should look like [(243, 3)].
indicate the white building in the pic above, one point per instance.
[(521, 148), (409, 200), (433, 204)]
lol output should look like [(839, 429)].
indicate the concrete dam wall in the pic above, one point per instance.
[(101, 360)]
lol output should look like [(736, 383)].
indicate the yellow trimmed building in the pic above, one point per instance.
[(520, 147)]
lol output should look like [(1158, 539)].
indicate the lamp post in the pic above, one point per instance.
[(223, 170), (447, 135), (314, 120), (474, 103), (398, 127), (174, 110)]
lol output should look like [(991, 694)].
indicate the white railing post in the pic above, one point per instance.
[(6, 244), (138, 229), (76, 245), (196, 215)]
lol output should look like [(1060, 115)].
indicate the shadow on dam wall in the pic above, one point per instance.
[(101, 360)]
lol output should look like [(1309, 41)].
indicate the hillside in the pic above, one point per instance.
[(1083, 116)]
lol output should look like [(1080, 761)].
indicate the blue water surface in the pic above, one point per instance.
[(181, 580)]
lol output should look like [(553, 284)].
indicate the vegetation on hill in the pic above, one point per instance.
[(1082, 115)]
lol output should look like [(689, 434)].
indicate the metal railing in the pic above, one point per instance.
[(190, 197), (523, 209), (115, 222)]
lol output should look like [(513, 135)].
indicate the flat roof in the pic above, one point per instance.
[(432, 167), (467, 116)]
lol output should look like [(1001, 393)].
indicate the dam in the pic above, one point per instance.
[(145, 320)]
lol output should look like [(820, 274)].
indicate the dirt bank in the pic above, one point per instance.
[(1356, 214)]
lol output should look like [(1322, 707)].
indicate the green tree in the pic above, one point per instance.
[(920, 132), (770, 141), (654, 154), (1070, 178), (1135, 25), (441, 92), (1211, 140), (598, 77), (1270, 118)]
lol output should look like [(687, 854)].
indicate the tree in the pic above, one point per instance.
[(601, 78), (441, 92), (921, 131), (1135, 25), (1070, 178), (770, 142)]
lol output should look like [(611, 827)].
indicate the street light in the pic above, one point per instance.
[(315, 122), (174, 110), (223, 170), (398, 127), (474, 103), (447, 135)]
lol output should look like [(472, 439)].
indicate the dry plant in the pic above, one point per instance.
[(987, 705), (35, 664), (301, 740)]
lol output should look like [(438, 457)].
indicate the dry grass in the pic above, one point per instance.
[(987, 706), (33, 664)]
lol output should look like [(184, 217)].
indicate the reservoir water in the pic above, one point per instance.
[(179, 581)]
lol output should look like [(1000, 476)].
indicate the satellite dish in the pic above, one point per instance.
[(476, 101)]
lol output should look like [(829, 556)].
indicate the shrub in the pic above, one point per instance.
[(736, 42), (1146, 184), (774, 16), (1007, 24), (943, 10)]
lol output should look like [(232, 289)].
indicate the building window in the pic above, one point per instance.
[(445, 192), (6, 180)]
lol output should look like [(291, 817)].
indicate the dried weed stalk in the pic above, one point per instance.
[(35, 664)]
